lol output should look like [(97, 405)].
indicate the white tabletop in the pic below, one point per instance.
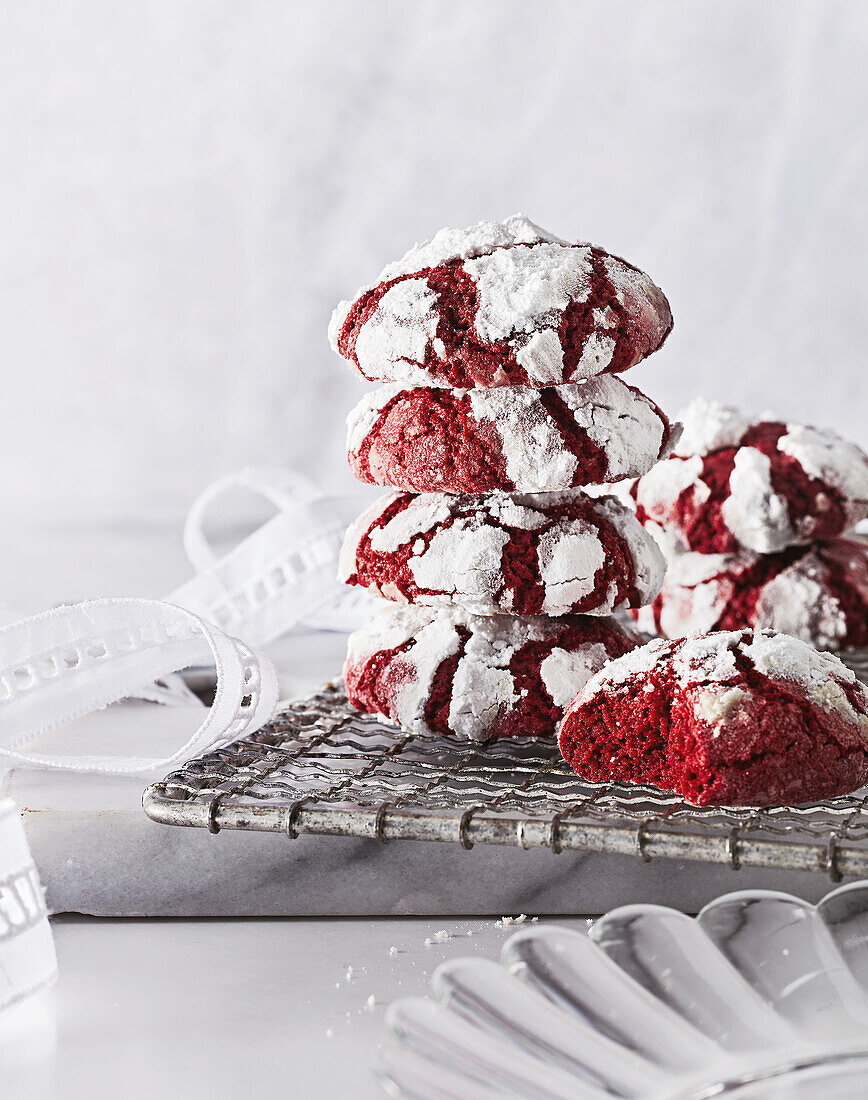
[(218, 1008)]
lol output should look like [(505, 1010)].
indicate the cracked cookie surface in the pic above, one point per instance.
[(476, 677), (501, 304), (817, 593), (551, 554), (734, 484), (730, 718), (513, 439)]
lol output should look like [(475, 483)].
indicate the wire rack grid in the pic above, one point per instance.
[(321, 767)]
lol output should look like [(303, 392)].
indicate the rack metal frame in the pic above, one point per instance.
[(321, 767)]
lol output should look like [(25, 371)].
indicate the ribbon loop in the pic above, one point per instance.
[(58, 666), (284, 572), (282, 488)]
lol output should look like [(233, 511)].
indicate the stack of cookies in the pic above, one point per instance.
[(498, 348), (750, 516)]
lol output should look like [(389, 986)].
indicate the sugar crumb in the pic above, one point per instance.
[(439, 937), (507, 922)]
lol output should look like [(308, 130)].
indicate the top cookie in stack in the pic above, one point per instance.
[(498, 348), (501, 304)]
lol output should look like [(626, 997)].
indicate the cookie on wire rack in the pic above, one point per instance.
[(551, 553), (476, 677), (501, 304), (731, 718), (430, 439)]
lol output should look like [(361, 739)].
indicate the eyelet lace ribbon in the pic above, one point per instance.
[(58, 666), (62, 664), (281, 574), (27, 959)]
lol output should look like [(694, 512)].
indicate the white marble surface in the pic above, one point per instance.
[(207, 1009), (189, 187)]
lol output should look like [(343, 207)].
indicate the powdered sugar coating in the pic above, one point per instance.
[(508, 678), (570, 554), (532, 442), (650, 567), (823, 676), (462, 558), (563, 669), (405, 323), (518, 287), (553, 553), (818, 594), (465, 244), (435, 439), (446, 246), (709, 426), (501, 304), (363, 417), (757, 516), (737, 717), (712, 658), (827, 457), (622, 427), (760, 486)]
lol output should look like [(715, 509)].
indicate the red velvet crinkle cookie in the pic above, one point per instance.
[(501, 305), (735, 484), (476, 677), (551, 554), (432, 439), (818, 593), (734, 718)]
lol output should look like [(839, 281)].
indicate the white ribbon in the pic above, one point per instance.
[(27, 959), (284, 572), (61, 665), (58, 666)]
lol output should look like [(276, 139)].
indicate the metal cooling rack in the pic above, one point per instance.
[(321, 767)]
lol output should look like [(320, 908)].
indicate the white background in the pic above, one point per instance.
[(188, 187)]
